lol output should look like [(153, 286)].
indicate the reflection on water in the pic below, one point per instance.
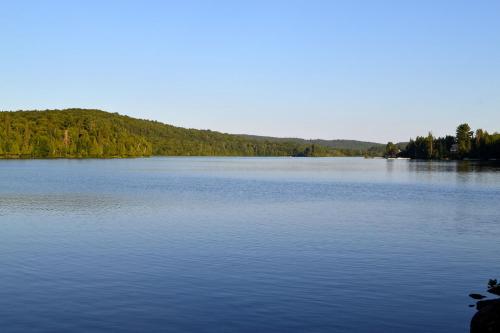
[(245, 244), (453, 166)]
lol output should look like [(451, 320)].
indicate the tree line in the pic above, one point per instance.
[(465, 144), (82, 133)]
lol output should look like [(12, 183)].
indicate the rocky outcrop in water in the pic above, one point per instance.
[(487, 317)]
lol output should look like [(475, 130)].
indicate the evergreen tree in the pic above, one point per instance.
[(464, 138)]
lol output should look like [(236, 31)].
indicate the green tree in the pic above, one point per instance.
[(14, 149), (391, 150), (464, 139), (42, 148), (429, 143)]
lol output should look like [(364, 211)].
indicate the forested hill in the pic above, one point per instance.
[(79, 133), (336, 144)]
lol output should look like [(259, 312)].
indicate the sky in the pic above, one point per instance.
[(368, 70)]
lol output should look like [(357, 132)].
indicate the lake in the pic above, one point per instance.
[(245, 244)]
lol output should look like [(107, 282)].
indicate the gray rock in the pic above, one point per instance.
[(477, 296), (495, 290), (487, 318)]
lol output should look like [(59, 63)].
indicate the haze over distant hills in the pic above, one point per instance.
[(81, 133)]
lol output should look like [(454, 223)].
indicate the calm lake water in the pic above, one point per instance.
[(245, 244)]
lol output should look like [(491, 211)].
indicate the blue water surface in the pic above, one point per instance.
[(245, 244)]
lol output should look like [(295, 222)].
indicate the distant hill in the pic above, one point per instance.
[(80, 133), (336, 144)]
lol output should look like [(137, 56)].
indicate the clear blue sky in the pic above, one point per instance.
[(370, 70)]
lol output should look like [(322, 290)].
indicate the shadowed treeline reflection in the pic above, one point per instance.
[(454, 166)]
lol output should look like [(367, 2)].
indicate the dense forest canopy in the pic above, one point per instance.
[(80, 133), (465, 144)]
